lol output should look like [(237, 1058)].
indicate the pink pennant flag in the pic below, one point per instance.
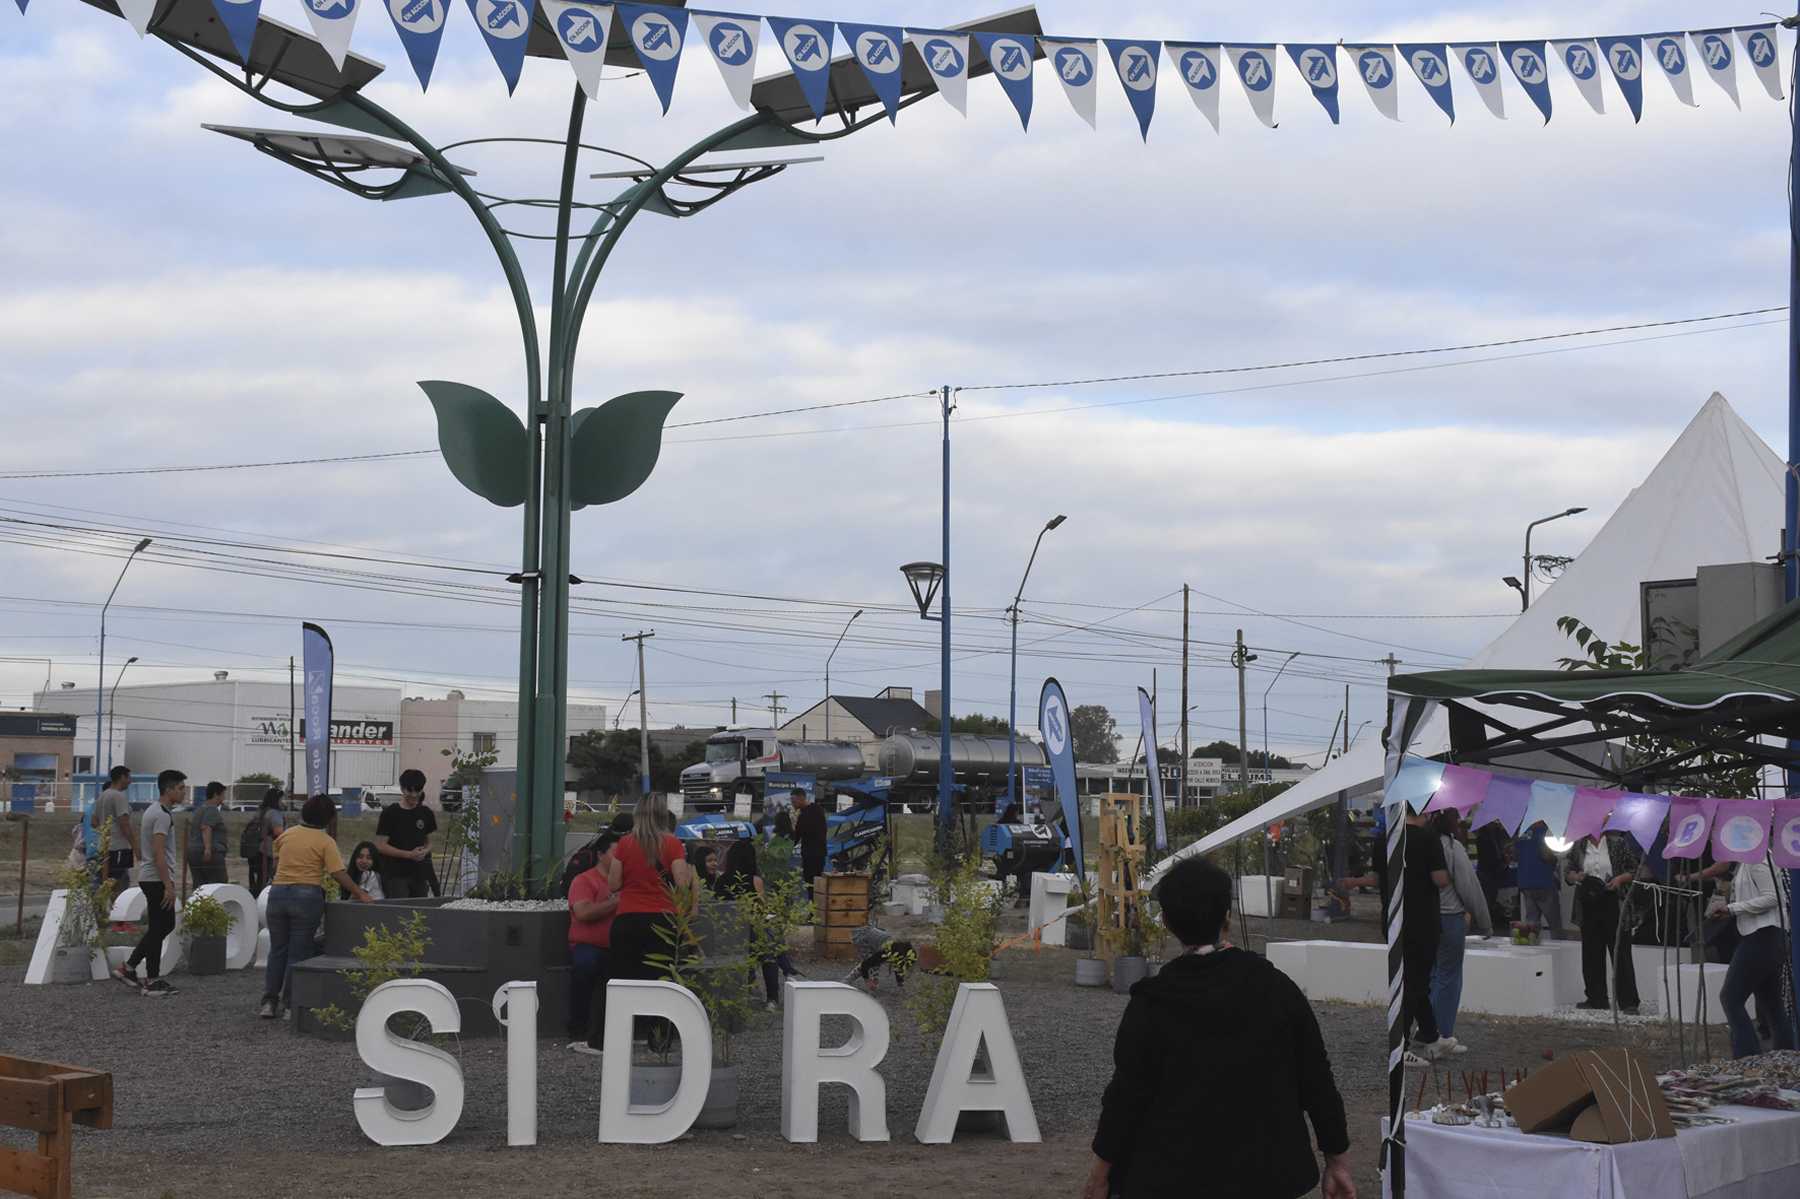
[(1741, 830), (1639, 815), (1689, 821), (1462, 788), (1786, 842), (1588, 815), (1507, 799)]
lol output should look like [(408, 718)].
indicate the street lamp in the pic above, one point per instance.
[(100, 689), (1012, 694), (1525, 589), (112, 708), (1265, 708), (620, 711), (928, 581), (828, 658)]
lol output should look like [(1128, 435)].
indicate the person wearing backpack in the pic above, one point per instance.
[(592, 905), (255, 842)]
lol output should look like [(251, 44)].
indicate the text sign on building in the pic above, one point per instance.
[(1206, 772), (349, 733), (29, 724)]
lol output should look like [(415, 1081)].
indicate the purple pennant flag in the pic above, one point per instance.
[(1507, 799), (1461, 789), (1414, 783), (1639, 815), (1786, 842), (1741, 830), (1689, 820), (1588, 815)]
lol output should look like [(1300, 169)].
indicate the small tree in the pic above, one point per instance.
[(965, 946), (1094, 731)]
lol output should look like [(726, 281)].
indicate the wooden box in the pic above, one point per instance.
[(841, 904)]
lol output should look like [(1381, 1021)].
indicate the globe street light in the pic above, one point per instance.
[(1525, 590), (928, 581), (100, 690), (828, 658), (1012, 695)]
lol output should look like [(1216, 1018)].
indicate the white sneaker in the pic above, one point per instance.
[(1457, 1046), (584, 1047), (1414, 1061), (1439, 1049)]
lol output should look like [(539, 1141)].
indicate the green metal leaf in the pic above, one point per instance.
[(482, 440), (615, 446)]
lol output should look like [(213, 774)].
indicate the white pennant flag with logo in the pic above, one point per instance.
[(946, 56), (1255, 67), (1076, 65), (732, 41), (1376, 66), (1669, 50), (581, 30), (1197, 64), (1582, 59), (1760, 48), (1714, 48), (138, 12), (332, 21), (1481, 61)]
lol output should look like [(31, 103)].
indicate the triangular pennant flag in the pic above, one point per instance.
[(1255, 67), (582, 31), (420, 24), (1741, 830), (1197, 63), (504, 26), (807, 45), (1764, 55), (239, 19), (1460, 789), (1376, 66), (1507, 799), (879, 51), (1414, 783), (1527, 62), (1582, 57), (1482, 62), (1719, 59), (138, 12), (1689, 821), (946, 56), (1010, 54), (1136, 64), (657, 33), (1318, 66), (332, 21), (1625, 55), (1075, 66), (1669, 51), (1785, 844), (732, 40), (1431, 64), (1551, 803), (1639, 815), (1588, 814)]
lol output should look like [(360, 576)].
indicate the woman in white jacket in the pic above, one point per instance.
[(1757, 901), (1462, 905)]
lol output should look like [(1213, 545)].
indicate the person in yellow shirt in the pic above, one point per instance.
[(305, 856)]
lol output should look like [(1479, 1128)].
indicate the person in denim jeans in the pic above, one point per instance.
[(304, 857)]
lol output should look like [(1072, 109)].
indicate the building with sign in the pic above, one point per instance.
[(433, 732), (1207, 778)]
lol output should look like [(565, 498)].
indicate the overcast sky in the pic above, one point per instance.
[(169, 298)]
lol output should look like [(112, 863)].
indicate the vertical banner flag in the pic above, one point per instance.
[(1059, 744), (1759, 48), (1527, 62), (807, 45), (732, 40), (946, 56), (582, 31), (1376, 66), (1741, 830), (420, 24), (1785, 844), (504, 26), (239, 19), (1136, 65), (138, 12), (1153, 767), (1626, 57), (1255, 67), (332, 21), (1482, 62), (1670, 52), (316, 659), (1318, 66), (1689, 820), (657, 33), (1582, 57), (1010, 56), (1198, 66), (1714, 48), (1074, 64), (878, 52), (1431, 64)]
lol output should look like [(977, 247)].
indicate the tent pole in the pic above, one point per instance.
[(1790, 535)]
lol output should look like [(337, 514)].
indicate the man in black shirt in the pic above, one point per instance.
[(403, 841), (809, 831), (1425, 872)]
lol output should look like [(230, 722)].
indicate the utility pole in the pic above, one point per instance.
[(643, 709), (291, 720), (1390, 662), (775, 698), (1241, 659), (1181, 795), (734, 709)]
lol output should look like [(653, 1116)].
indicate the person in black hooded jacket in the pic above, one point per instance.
[(1217, 1068)]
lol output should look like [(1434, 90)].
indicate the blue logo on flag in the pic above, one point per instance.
[(1528, 65), (1480, 65), (417, 16), (657, 34), (943, 58), (1625, 57), (1318, 64), (332, 10), (1256, 71), (1670, 54), (803, 47), (1198, 69), (1431, 65), (1527, 62), (1625, 62), (1074, 65), (1136, 65), (579, 30), (1429, 68), (807, 45), (1011, 59), (1580, 60), (1717, 51), (1762, 49), (1375, 71), (877, 50), (420, 24), (731, 43)]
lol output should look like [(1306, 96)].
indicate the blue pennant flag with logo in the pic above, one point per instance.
[(1430, 63), (1625, 55), (420, 24), (880, 51), (1059, 746), (1136, 64), (807, 45), (505, 26), (1010, 55), (657, 33), (1318, 66), (239, 19), (1760, 49), (1527, 62), (318, 663)]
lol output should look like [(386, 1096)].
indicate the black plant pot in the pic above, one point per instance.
[(206, 955)]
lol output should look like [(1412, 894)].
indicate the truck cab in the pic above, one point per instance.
[(736, 760)]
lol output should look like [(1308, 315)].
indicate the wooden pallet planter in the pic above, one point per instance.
[(1121, 869), (48, 1098), (842, 904)]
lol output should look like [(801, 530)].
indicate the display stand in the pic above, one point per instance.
[(1121, 869)]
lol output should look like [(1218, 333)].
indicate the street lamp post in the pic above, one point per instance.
[(100, 689), (112, 708), (620, 711), (828, 658), (1012, 693), (1525, 587), (926, 579), (1268, 893)]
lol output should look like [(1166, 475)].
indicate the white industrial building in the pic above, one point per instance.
[(461, 725)]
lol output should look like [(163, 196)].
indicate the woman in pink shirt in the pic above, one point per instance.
[(592, 905)]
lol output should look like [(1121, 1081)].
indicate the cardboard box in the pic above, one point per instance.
[(1603, 1096)]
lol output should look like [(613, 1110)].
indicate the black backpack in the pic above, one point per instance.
[(581, 861), (250, 840)]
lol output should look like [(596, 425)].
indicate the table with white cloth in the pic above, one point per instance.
[(1757, 1156)]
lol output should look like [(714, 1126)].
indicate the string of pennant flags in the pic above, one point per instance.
[(658, 34), (1739, 830)]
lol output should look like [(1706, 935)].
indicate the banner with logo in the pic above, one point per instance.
[(1481, 62), (732, 41), (1741, 831), (1784, 845), (1430, 63), (1527, 62), (1669, 51), (332, 21), (582, 30), (879, 52), (1713, 48), (1074, 64), (420, 24), (1318, 66), (1059, 745), (316, 659), (1153, 767), (1010, 57), (946, 56), (1135, 63), (657, 33), (1625, 55), (1376, 66), (1255, 67), (1582, 58), (1197, 64), (1764, 56), (807, 45), (505, 26)]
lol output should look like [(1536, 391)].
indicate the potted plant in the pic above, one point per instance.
[(721, 983), (1090, 971), (1130, 945), (204, 925), (388, 952), (84, 920), (963, 953)]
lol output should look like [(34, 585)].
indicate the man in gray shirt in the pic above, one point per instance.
[(114, 806), (156, 876), (206, 838)]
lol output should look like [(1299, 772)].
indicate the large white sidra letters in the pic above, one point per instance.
[(978, 1019), (805, 1066), (516, 1009), (409, 1061), (622, 1121)]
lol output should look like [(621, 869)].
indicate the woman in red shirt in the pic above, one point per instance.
[(592, 904), (641, 869)]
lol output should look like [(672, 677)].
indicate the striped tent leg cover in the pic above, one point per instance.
[(1406, 715)]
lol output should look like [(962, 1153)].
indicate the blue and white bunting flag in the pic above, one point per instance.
[(1010, 55), (1481, 61), (1136, 64), (1197, 65), (1716, 53), (1376, 66), (1076, 64), (420, 24), (657, 33), (1318, 66), (1153, 769), (1582, 58), (505, 26), (946, 56), (1669, 51), (1527, 62), (239, 19), (1059, 747), (332, 21), (1255, 67), (318, 662), (807, 45), (581, 31), (137, 12), (880, 51), (1625, 55), (1430, 64), (1764, 54), (732, 39)]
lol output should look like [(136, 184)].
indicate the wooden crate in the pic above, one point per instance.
[(47, 1098), (842, 905)]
